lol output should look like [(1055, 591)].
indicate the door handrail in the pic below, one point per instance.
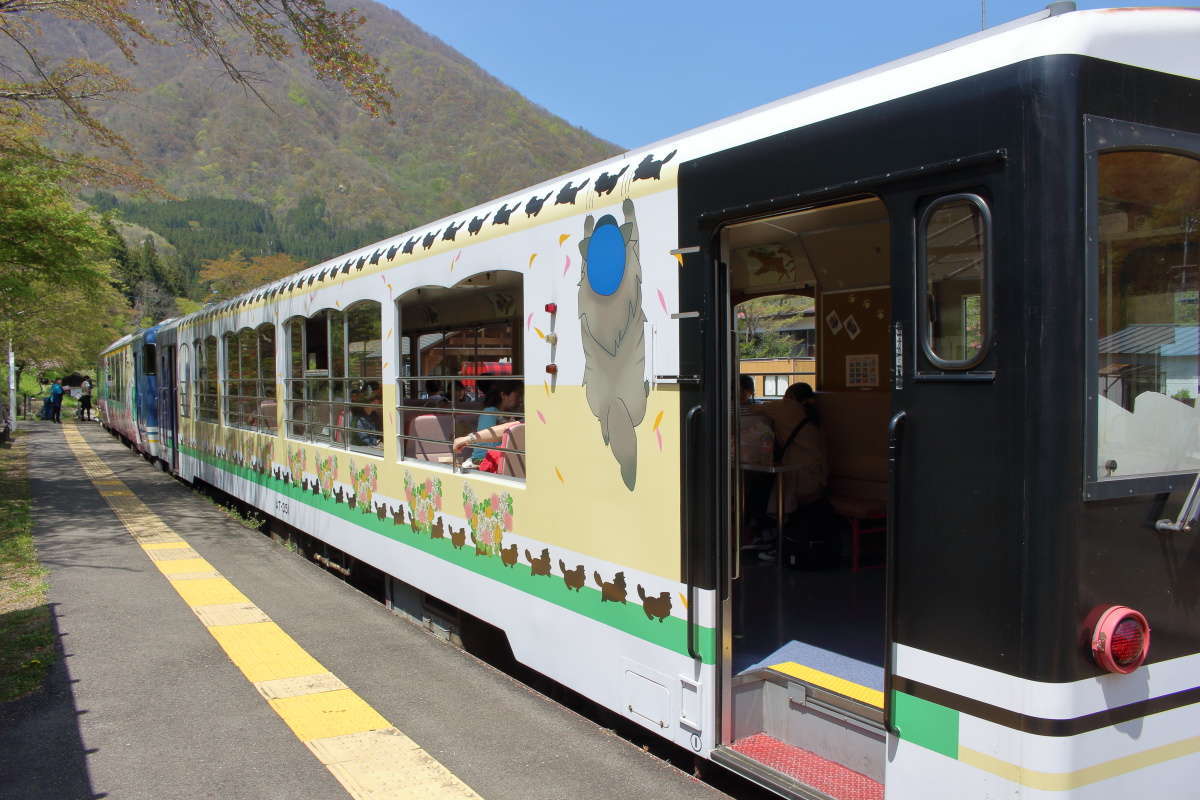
[(690, 462), (895, 446)]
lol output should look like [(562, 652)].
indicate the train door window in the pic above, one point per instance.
[(149, 359), (364, 373), (462, 353), (954, 262), (267, 404), (1146, 229), (185, 381)]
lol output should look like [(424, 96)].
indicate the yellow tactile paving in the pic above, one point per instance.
[(210, 592), (369, 757), (170, 567), (326, 714)]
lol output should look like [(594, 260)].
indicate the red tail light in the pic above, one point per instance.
[(1120, 639)]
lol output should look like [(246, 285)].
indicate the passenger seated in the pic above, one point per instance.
[(799, 442), (366, 418), (501, 397)]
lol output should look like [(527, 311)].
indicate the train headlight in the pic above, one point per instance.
[(1120, 639)]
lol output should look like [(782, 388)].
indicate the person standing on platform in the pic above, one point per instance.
[(85, 399), (56, 397)]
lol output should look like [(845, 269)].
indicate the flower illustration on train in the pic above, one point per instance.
[(327, 472), (365, 481), (266, 454), (489, 518), (424, 501), (297, 461)]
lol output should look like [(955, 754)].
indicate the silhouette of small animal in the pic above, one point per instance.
[(438, 531), (352, 500), (458, 538), (533, 206), (321, 275), (381, 511), (574, 578), (611, 592), (409, 245), (451, 231), (312, 279), (649, 168), (397, 515), (338, 495), (504, 213), (508, 556), (606, 183), (541, 564), (412, 519), (429, 239), (375, 257), (316, 487), (362, 262), (345, 268), (391, 251), (566, 195), (476, 224), (655, 607), (305, 484), (278, 477)]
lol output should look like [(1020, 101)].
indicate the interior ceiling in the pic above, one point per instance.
[(824, 219)]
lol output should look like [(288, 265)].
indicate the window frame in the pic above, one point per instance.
[(1104, 135), (986, 285)]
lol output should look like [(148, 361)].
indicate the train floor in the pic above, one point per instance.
[(146, 701)]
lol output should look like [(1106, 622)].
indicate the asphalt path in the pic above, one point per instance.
[(143, 703)]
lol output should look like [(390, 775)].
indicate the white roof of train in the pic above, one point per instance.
[(1160, 39)]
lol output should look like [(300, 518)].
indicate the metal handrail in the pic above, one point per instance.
[(453, 411)]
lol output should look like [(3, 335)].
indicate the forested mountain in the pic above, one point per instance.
[(315, 176)]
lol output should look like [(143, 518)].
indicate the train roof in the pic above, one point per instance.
[(1159, 39)]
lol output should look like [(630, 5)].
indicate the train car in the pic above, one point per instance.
[(116, 388), (146, 392), (530, 411)]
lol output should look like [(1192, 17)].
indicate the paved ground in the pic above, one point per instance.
[(145, 704)]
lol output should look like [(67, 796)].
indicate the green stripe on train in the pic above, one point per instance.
[(629, 617), (925, 723)]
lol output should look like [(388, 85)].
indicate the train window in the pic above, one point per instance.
[(206, 379), (250, 378), (954, 269), (1148, 313), (462, 355), (149, 359), (335, 366)]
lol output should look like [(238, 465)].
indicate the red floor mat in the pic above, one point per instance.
[(820, 773)]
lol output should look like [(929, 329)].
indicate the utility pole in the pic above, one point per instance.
[(12, 388)]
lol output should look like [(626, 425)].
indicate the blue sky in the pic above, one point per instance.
[(635, 72)]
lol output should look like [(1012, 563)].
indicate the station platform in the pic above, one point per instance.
[(199, 658)]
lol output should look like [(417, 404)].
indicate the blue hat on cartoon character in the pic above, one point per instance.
[(606, 256)]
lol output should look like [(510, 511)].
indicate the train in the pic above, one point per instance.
[(529, 411)]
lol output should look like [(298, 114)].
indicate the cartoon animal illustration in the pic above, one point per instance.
[(346, 267), (375, 257), (278, 474), (316, 487), (611, 592), (771, 262), (606, 183), (429, 239), (533, 206), (655, 607), (566, 195), (338, 495), (508, 556), (362, 262), (321, 275), (541, 564), (458, 538), (398, 516), (574, 578), (438, 530), (381, 511), (305, 487), (612, 326), (649, 168), (409, 245), (352, 501), (504, 213), (476, 224), (391, 251), (451, 231)]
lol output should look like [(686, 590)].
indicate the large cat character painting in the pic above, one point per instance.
[(613, 333)]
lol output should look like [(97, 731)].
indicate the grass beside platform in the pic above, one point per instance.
[(26, 632)]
